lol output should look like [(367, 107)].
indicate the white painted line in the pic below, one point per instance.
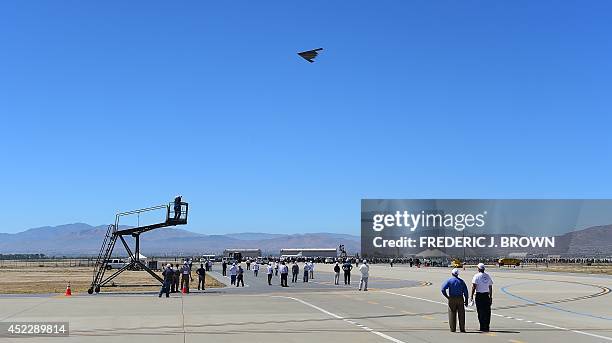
[(499, 315), (380, 334)]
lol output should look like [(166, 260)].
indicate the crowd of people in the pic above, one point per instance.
[(281, 269), (177, 278)]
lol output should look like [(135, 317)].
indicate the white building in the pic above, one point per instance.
[(310, 252)]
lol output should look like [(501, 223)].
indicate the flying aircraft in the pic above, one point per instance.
[(310, 55)]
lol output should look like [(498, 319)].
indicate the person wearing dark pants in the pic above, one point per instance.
[(201, 276), (457, 300), (240, 278), (482, 285), (284, 271), (176, 278), (233, 272), (346, 267), (269, 272), (256, 269), (224, 268), (336, 274), (295, 271), (168, 275), (185, 277), (177, 207), (306, 267)]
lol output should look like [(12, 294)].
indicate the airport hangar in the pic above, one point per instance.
[(320, 252)]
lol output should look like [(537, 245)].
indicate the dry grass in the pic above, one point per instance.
[(54, 280)]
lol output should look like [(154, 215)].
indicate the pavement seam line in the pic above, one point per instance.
[(365, 328), (499, 315)]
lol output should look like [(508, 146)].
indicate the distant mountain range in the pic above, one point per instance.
[(81, 239)]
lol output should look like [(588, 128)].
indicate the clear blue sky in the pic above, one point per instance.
[(115, 105)]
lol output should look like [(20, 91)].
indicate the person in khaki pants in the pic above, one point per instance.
[(457, 298)]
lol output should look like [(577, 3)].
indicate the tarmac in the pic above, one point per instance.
[(403, 304)]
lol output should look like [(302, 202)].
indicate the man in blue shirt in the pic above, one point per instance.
[(457, 298)]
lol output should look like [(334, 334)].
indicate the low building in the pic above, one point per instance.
[(309, 252), (245, 253)]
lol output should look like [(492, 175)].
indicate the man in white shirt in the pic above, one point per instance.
[(233, 272), (311, 269), (482, 285), (306, 271), (364, 269), (284, 270), (269, 271), (256, 268)]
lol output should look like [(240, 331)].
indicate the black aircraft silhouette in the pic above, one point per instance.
[(309, 55)]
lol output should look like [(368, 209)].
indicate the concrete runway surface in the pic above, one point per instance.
[(403, 305)]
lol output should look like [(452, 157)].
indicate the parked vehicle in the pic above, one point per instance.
[(115, 263), (509, 262)]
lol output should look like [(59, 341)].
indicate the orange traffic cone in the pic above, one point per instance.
[(68, 291)]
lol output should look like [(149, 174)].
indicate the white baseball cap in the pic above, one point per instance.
[(481, 266), (455, 272)]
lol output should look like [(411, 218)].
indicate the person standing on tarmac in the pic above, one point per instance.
[(347, 267), (248, 263), (284, 270), (482, 285), (186, 275), (224, 268), (365, 274), (336, 273), (295, 271), (306, 271), (201, 276), (275, 268), (312, 265), (168, 275), (269, 271), (233, 271), (457, 300), (256, 268), (172, 283), (177, 278), (240, 278)]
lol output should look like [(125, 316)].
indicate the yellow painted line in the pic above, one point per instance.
[(408, 312), (515, 341), (372, 302), (492, 334), (428, 317), (390, 307)]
